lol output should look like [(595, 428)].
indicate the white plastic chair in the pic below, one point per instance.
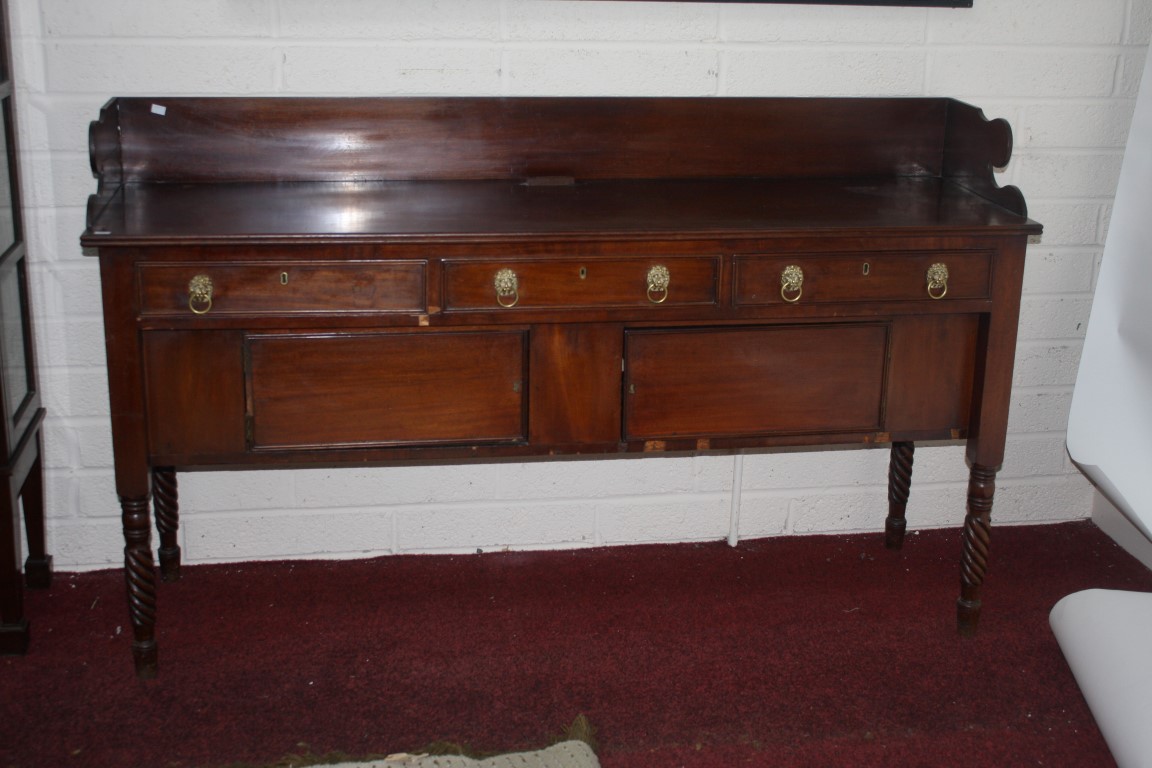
[(1106, 635)]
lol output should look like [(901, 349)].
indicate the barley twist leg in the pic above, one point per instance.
[(166, 502), (977, 536), (899, 481), (141, 582)]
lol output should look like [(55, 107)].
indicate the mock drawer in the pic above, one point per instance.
[(741, 382), (818, 278), (581, 283), (281, 288)]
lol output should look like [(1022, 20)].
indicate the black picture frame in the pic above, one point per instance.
[(907, 3)]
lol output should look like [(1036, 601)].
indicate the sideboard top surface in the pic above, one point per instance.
[(446, 211)]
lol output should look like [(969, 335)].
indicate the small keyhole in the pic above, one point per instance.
[(583, 273), (867, 268), (283, 278)]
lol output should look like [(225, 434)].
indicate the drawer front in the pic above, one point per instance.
[(581, 283), (754, 381), (281, 288), (763, 278), (385, 389)]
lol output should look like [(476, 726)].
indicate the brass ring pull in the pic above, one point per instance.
[(507, 288), (658, 281), (200, 294), (791, 283), (937, 281)]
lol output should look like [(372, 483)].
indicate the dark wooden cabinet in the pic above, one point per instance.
[(21, 442), (290, 282)]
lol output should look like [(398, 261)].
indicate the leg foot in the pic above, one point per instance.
[(899, 481), (144, 658), (38, 572), (967, 617), (14, 638)]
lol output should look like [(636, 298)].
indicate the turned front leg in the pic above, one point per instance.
[(977, 535), (166, 502), (899, 481), (140, 576)]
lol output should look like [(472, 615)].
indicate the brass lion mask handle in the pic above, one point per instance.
[(658, 280), (937, 280), (200, 294), (507, 287), (791, 283)]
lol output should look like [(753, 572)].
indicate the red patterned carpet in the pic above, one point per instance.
[(805, 651)]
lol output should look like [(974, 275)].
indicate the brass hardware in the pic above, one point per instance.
[(791, 282), (200, 294), (937, 280), (550, 181), (867, 269), (583, 273), (507, 288), (658, 281), (283, 278)]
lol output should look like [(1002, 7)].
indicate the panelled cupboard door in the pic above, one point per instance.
[(380, 389), (739, 382)]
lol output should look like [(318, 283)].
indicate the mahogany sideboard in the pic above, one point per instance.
[(300, 281)]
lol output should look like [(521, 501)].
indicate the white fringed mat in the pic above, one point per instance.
[(566, 754)]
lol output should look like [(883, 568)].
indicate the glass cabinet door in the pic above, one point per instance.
[(15, 369), (8, 230), (18, 396)]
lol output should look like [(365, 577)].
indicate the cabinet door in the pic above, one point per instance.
[(17, 384), (19, 398), (736, 382), (385, 389)]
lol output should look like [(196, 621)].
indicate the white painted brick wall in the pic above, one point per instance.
[(1064, 72)]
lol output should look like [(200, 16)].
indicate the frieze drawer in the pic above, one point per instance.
[(816, 278), (281, 288), (581, 283)]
